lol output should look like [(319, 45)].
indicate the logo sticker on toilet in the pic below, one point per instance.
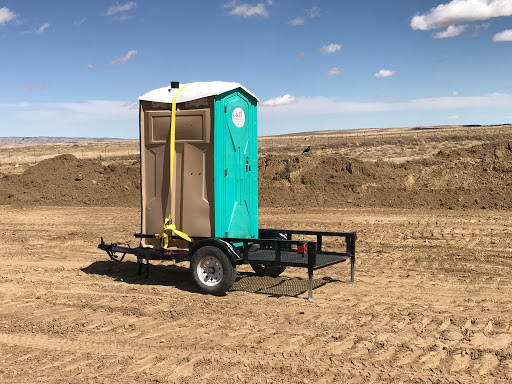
[(238, 117)]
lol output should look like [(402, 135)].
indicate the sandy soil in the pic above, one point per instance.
[(431, 303)]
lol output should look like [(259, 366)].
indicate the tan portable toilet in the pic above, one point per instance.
[(214, 191)]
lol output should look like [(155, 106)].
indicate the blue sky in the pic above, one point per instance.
[(76, 68)]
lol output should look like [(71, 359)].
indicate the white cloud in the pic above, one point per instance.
[(279, 100), (314, 12), (453, 117), (301, 56), (123, 17), (506, 35), (124, 59), (480, 27), (335, 71), (90, 66), (247, 10), (68, 112), (311, 13), (331, 48), (455, 93), (79, 22), (42, 28), (307, 106), (451, 31), (459, 11), (384, 73), (114, 9), (100, 108), (297, 21), (6, 15)]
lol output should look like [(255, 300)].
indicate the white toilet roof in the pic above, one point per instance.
[(195, 91)]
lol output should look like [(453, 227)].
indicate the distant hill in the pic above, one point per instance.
[(54, 140), (384, 130)]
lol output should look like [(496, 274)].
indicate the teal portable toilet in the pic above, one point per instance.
[(214, 191)]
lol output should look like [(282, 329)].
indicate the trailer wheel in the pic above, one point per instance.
[(212, 270), (268, 269)]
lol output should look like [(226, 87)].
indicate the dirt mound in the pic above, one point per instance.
[(68, 181), (477, 177), (313, 179), (499, 152)]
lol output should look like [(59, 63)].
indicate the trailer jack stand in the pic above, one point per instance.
[(310, 287), (140, 262)]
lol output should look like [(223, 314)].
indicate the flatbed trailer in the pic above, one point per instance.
[(213, 261)]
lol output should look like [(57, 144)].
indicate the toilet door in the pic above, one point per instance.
[(235, 154)]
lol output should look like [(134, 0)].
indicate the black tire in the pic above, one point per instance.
[(212, 270), (268, 269)]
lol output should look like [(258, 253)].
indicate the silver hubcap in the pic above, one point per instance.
[(210, 270)]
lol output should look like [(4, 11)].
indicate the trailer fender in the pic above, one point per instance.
[(233, 254)]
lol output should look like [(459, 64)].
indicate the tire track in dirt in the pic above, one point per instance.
[(64, 355)]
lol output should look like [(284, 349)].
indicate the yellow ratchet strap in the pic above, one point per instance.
[(170, 228)]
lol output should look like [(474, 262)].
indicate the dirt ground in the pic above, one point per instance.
[(432, 300), (431, 303)]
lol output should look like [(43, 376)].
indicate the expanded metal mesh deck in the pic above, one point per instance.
[(294, 259)]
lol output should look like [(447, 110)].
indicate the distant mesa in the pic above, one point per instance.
[(4, 141)]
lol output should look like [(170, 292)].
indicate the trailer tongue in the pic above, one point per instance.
[(199, 190)]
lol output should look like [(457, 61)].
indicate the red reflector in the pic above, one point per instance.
[(303, 248), (355, 234)]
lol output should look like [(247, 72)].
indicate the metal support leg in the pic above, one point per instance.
[(139, 266), (310, 286), (353, 257), (311, 268), (352, 268)]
